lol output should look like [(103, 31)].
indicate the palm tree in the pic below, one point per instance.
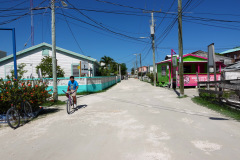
[(106, 60)]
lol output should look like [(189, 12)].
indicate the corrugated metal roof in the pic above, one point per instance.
[(218, 57), (231, 50), (235, 67), (48, 45)]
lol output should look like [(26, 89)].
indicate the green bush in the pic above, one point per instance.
[(150, 75), (208, 96), (33, 91)]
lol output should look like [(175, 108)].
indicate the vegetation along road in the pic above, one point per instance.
[(132, 120)]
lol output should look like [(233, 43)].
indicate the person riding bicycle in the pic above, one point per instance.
[(72, 87)]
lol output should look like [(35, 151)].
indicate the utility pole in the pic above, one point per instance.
[(180, 47), (141, 64), (54, 61), (153, 48), (120, 71), (133, 68), (32, 24), (136, 64)]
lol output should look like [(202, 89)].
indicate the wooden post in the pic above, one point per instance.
[(220, 87), (80, 70), (197, 80)]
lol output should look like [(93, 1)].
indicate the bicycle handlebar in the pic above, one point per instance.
[(68, 93)]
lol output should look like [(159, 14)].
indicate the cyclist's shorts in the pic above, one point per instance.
[(74, 94)]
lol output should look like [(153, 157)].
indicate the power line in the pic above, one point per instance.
[(116, 4), (72, 32), (165, 14), (13, 7), (119, 34), (102, 26), (19, 17), (96, 31), (169, 28)]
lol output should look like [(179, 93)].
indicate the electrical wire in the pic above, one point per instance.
[(19, 17), (77, 19), (13, 7), (104, 27), (72, 33)]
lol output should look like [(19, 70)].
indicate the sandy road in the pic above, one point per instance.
[(132, 121)]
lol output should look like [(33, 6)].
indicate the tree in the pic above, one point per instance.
[(20, 72), (109, 67), (107, 61), (132, 71), (46, 68), (123, 69)]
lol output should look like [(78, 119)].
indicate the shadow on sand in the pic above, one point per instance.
[(77, 108)]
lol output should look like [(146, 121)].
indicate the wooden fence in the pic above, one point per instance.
[(225, 90)]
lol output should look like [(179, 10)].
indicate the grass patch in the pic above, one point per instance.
[(50, 103), (216, 106)]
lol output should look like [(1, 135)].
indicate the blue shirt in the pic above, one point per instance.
[(72, 86)]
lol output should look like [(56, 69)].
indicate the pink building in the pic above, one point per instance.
[(143, 69)]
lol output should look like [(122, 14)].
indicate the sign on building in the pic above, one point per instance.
[(84, 67), (174, 61)]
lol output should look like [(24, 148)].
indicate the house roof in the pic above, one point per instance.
[(234, 67), (50, 46), (231, 50), (203, 55), (186, 55), (217, 57)]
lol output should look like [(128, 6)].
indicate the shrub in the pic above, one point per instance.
[(46, 67), (33, 91), (150, 75)]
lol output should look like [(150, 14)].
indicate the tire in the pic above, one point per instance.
[(68, 107), (28, 109), (76, 103), (13, 118)]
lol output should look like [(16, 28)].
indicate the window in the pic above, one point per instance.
[(187, 69), (163, 70), (75, 70), (45, 52)]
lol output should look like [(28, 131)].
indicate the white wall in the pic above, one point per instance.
[(33, 58), (232, 75)]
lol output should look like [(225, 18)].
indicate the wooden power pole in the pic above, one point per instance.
[(54, 60), (180, 48)]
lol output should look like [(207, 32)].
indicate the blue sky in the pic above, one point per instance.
[(97, 43)]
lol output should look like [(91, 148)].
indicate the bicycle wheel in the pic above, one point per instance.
[(28, 109), (13, 118), (68, 106)]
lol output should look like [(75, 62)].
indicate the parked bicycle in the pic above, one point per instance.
[(70, 103), (20, 110)]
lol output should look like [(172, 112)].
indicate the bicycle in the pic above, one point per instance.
[(70, 103), (16, 113)]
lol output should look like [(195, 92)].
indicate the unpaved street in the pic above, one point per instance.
[(131, 121)]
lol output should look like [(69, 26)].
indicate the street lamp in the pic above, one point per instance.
[(64, 4), (145, 37), (14, 49), (136, 64)]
